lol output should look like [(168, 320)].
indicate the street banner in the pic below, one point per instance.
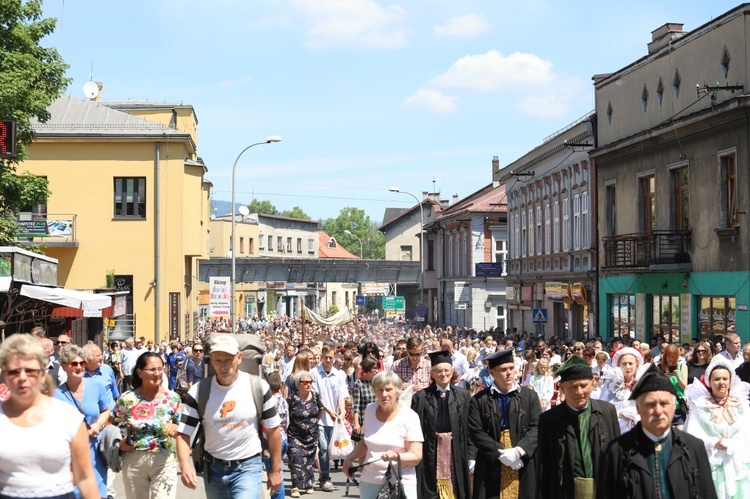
[(220, 297)]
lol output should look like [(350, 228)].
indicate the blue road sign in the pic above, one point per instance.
[(361, 301), (539, 315)]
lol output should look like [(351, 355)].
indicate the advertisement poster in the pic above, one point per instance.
[(220, 297)]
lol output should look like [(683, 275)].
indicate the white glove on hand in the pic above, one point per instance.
[(517, 464), (472, 464), (508, 456)]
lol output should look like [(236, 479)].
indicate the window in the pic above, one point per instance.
[(576, 222), (648, 203), (406, 253), (260, 241), (547, 230), (676, 82), (681, 182), (611, 210), (288, 244), (585, 224), (729, 190), (333, 298), (644, 98), (566, 225), (516, 237), (523, 232), (539, 238), (501, 253), (665, 318), (299, 245), (250, 249), (556, 227), (717, 315), (130, 197), (531, 231), (280, 244), (242, 245), (311, 245), (623, 315), (270, 243), (725, 59), (430, 255), (660, 91)]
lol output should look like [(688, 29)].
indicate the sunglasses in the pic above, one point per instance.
[(196, 350), (12, 373), (63, 343), (415, 355), (700, 351), (308, 382), (77, 363)]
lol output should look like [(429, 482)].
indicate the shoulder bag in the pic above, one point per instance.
[(392, 490)]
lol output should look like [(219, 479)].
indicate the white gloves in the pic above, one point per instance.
[(510, 458), (472, 464)]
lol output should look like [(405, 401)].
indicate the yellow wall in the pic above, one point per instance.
[(81, 179)]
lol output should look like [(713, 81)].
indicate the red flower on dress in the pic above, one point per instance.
[(142, 411)]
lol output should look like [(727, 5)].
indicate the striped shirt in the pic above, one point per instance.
[(231, 421)]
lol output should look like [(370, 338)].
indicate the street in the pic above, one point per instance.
[(339, 483)]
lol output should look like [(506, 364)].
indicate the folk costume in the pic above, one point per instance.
[(444, 470), (503, 428), (727, 420), (617, 391), (639, 464), (566, 462)]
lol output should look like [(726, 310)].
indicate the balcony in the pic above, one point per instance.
[(54, 230), (657, 250)]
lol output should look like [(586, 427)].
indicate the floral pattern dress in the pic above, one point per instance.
[(146, 419), (302, 435)]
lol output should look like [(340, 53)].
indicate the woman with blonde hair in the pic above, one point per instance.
[(45, 443), (543, 383), (302, 362)]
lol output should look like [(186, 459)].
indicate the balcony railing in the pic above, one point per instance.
[(644, 249)]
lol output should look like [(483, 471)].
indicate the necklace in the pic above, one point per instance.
[(722, 402)]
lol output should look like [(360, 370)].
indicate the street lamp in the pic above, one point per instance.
[(347, 231), (421, 241), (272, 138)]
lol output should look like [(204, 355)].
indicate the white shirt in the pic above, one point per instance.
[(331, 386), (460, 363), (739, 359)]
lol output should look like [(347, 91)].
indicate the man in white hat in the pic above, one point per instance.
[(232, 447)]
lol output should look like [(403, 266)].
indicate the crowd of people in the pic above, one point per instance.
[(459, 413)]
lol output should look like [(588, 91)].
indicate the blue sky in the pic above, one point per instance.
[(366, 94)]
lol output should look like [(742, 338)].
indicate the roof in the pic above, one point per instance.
[(489, 199), (404, 212), (74, 117), (325, 251), (392, 213)]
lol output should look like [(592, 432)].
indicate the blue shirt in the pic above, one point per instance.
[(105, 376)]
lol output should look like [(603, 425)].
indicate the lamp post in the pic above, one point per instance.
[(233, 310), (347, 231), (421, 241)]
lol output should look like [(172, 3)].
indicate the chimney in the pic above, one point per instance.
[(661, 37), (455, 199), (495, 164)]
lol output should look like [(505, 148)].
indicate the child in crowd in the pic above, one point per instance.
[(282, 409)]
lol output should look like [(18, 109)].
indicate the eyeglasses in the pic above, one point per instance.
[(415, 355), (63, 343), (305, 382), (443, 371), (77, 363), (12, 373), (700, 351), (153, 370), (198, 350)]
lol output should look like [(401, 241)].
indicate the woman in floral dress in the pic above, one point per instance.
[(150, 413), (305, 410)]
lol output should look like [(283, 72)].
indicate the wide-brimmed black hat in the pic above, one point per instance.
[(652, 380)]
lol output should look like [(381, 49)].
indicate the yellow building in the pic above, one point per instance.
[(129, 199)]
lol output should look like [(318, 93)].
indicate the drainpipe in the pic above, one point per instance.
[(157, 246)]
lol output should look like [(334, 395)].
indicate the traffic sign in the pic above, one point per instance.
[(361, 301), (393, 302), (422, 310), (539, 315)]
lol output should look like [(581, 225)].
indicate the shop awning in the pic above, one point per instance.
[(67, 297)]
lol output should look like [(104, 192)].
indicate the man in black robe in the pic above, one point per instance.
[(565, 461), (443, 409), (654, 460), (503, 423)]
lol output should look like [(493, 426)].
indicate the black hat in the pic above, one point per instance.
[(653, 380), (575, 368), (501, 357), (441, 357)]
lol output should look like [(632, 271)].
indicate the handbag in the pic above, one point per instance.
[(392, 490)]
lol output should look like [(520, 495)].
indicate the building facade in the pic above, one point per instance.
[(672, 164), (552, 237)]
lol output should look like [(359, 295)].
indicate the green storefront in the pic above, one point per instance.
[(681, 305)]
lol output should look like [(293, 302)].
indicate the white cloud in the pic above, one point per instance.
[(493, 71), (468, 25), (556, 100), (432, 101), (360, 23)]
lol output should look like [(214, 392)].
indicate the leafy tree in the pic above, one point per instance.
[(296, 212), (356, 221), (31, 77), (265, 206)]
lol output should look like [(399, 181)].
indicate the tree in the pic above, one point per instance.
[(296, 212), (265, 206), (31, 78), (357, 222)]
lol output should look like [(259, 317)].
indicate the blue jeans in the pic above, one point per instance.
[(279, 494), (324, 438), (241, 481)]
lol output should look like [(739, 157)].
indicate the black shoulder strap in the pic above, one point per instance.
[(204, 390), (257, 388)]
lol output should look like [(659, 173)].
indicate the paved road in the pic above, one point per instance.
[(339, 481)]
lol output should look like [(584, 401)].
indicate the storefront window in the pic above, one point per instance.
[(623, 315), (665, 318), (717, 316)]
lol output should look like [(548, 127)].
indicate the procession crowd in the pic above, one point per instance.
[(452, 412)]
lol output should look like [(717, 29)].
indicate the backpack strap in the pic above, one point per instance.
[(204, 390), (257, 388)]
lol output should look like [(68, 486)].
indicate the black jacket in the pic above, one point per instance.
[(425, 404), (557, 444), (625, 472), (484, 428)]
